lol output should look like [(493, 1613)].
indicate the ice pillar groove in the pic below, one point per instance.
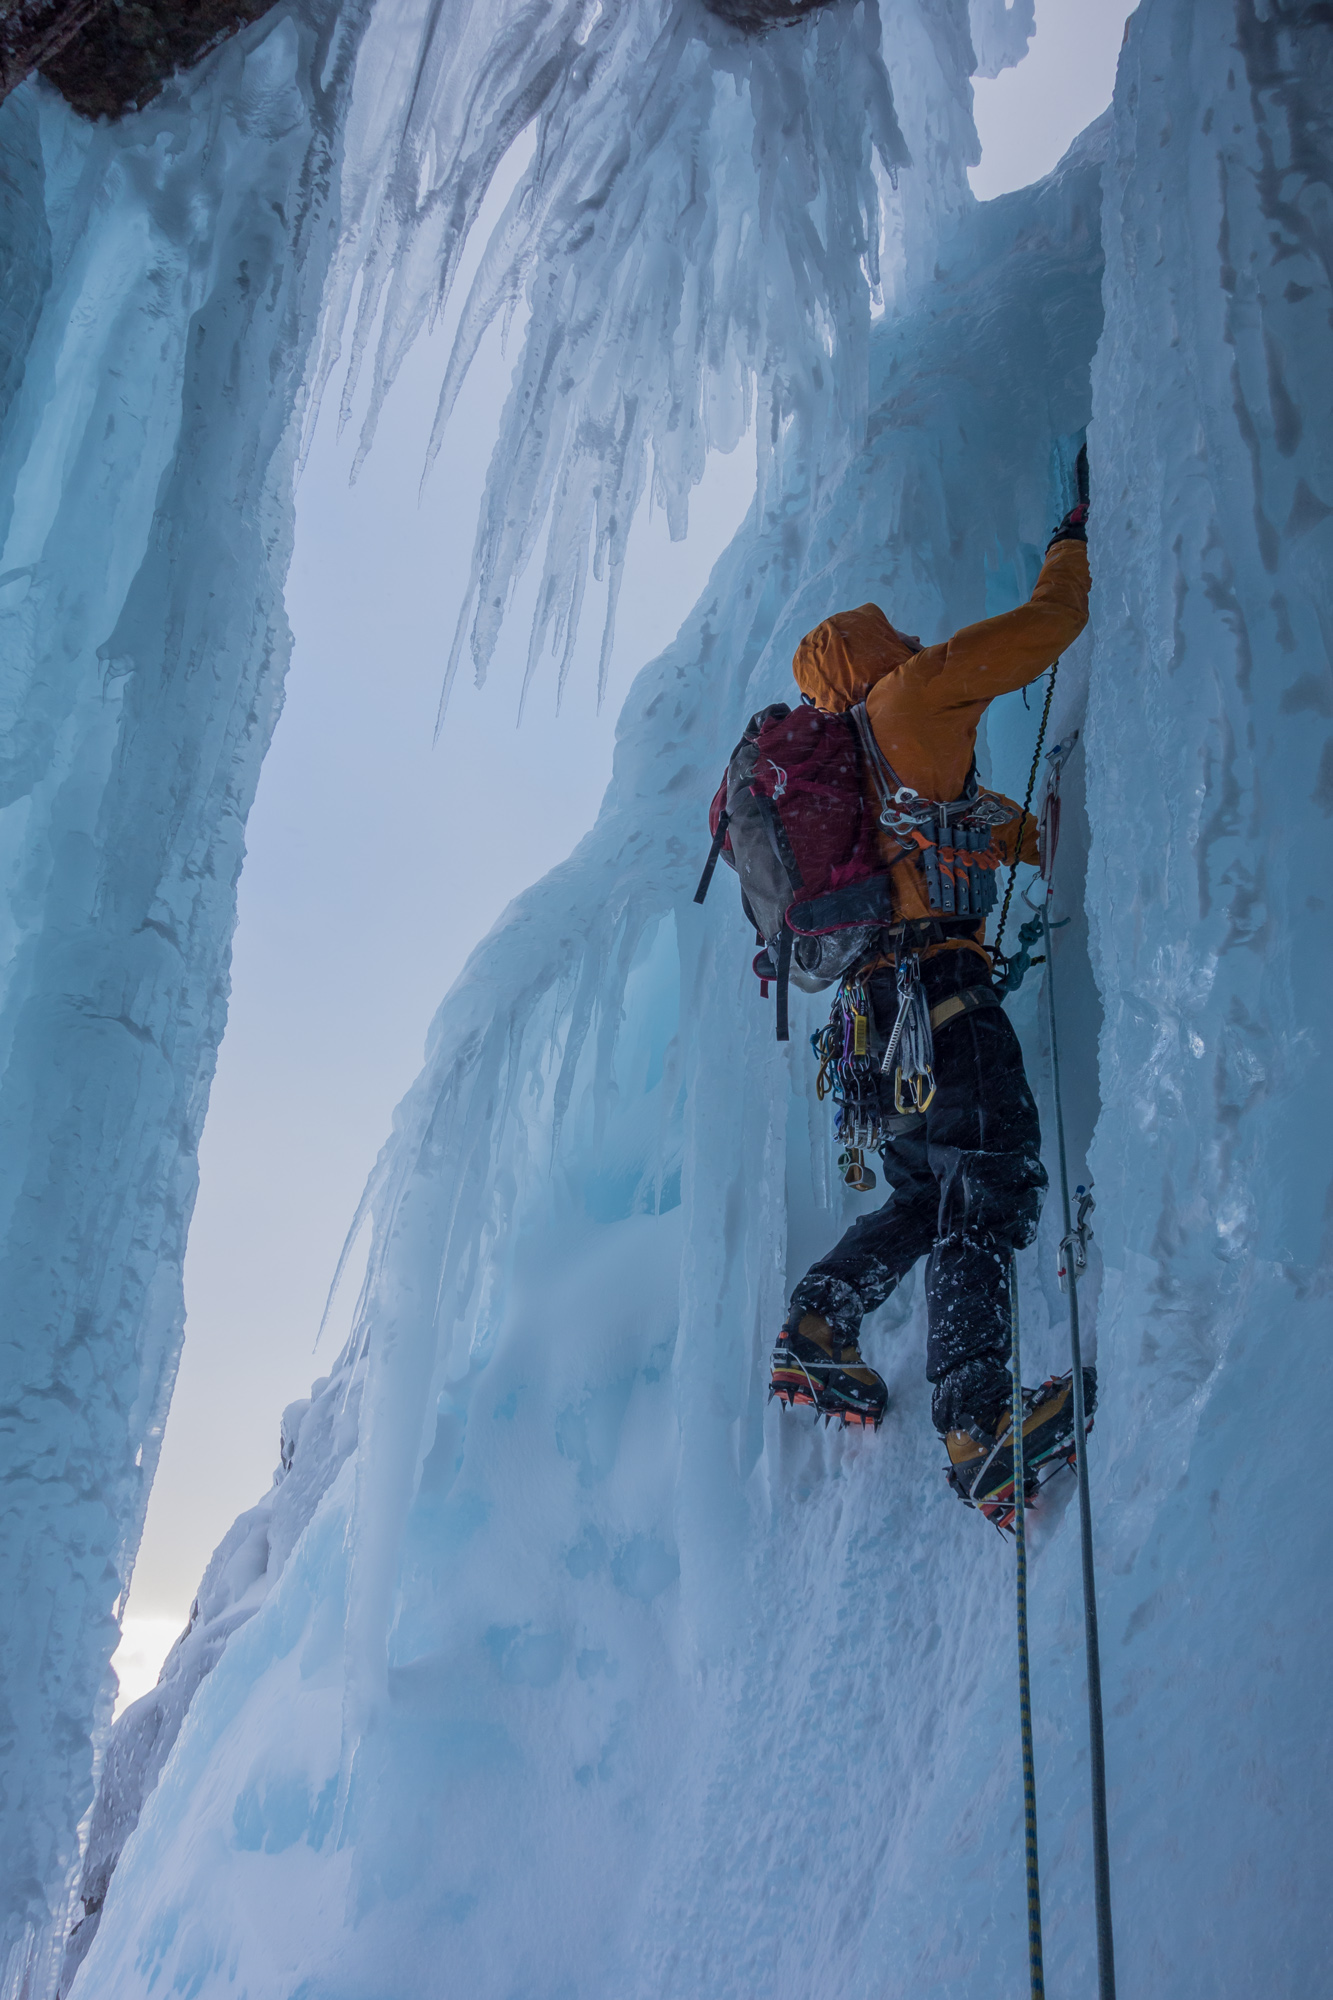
[(145, 481), (1210, 760)]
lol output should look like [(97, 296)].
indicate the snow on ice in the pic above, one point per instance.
[(556, 1664)]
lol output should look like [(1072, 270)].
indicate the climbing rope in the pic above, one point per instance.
[(1083, 490), (1025, 815), (1100, 1849), (1035, 1972)]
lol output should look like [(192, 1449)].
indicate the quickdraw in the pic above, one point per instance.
[(997, 955), (847, 1074), (850, 1071), (1010, 970), (1073, 1252), (910, 1056)]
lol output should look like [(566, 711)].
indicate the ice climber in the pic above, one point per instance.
[(871, 854)]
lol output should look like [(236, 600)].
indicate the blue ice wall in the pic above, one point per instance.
[(589, 1677), (700, 235), (162, 283), (592, 1677), (579, 1673), (1210, 791)]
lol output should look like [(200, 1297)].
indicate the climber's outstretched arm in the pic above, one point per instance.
[(1004, 653)]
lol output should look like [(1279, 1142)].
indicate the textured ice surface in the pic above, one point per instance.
[(697, 238), (1211, 787), (162, 286), (597, 1679), (316, 1436), (697, 242), (589, 1676), (1001, 31), (613, 1683)]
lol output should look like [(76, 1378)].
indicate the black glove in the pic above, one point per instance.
[(1074, 527)]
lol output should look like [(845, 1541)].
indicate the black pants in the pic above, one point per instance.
[(967, 1183)]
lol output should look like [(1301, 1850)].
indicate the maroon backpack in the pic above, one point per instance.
[(794, 819)]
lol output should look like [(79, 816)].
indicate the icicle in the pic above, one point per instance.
[(691, 237)]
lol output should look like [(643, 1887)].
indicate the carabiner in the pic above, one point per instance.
[(914, 1084)]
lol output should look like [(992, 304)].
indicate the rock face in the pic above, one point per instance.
[(35, 31), (755, 15), (106, 57)]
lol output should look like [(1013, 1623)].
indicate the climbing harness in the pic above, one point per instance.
[(847, 1074), (852, 1070), (1035, 1970)]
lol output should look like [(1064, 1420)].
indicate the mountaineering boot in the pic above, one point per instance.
[(981, 1466), (813, 1364)]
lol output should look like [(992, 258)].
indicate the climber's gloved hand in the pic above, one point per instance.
[(1074, 527)]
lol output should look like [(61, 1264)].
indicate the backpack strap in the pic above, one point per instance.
[(719, 841), (900, 804), (784, 981), (899, 809)]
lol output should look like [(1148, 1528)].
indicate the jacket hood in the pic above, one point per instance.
[(839, 662)]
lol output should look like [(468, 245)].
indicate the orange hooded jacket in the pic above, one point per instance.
[(924, 704)]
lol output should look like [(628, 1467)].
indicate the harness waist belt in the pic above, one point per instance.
[(965, 1002)]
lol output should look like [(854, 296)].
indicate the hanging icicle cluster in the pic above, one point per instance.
[(694, 244)]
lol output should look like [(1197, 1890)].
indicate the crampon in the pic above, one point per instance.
[(827, 1375), (981, 1468)]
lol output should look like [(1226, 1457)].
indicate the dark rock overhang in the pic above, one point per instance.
[(755, 16), (106, 57)]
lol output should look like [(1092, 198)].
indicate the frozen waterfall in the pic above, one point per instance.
[(556, 1666), (163, 279), (177, 286)]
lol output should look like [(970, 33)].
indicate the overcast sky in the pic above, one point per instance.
[(376, 862)]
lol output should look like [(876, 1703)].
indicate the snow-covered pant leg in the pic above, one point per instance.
[(879, 1249), (967, 1191), (984, 1147)]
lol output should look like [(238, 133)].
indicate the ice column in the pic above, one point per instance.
[(1211, 789), (167, 276)]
